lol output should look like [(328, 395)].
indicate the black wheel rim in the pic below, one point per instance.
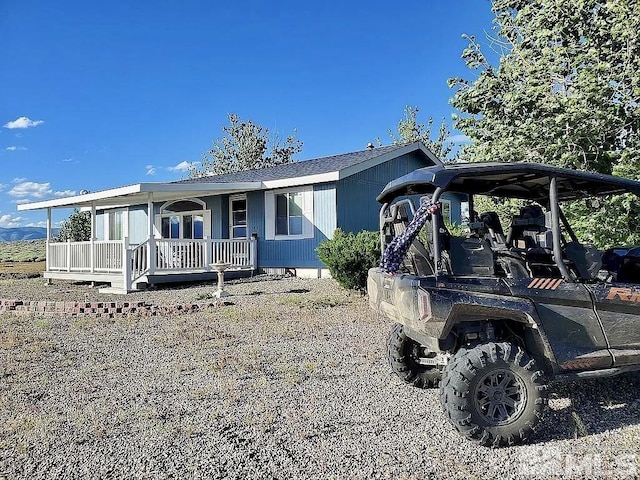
[(413, 356), (500, 396)]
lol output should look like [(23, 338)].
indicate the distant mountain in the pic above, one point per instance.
[(25, 233)]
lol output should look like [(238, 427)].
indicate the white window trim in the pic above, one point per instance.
[(246, 209), (204, 212), (308, 226), (125, 223), (193, 200), (446, 202)]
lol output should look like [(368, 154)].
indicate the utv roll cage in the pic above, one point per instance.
[(543, 184)]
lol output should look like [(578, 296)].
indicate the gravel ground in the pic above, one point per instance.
[(287, 381)]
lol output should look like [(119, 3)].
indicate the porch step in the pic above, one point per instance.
[(114, 290)]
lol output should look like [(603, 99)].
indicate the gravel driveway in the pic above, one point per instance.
[(288, 381)]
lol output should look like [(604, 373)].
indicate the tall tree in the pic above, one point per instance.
[(246, 146), (409, 129), (565, 91), (76, 228), (566, 88)]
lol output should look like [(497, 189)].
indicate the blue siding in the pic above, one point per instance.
[(324, 210), (224, 216), (214, 204), (356, 195), (255, 215), (293, 253), (456, 205)]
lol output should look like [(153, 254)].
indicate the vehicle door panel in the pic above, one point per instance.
[(618, 306), (569, 320)]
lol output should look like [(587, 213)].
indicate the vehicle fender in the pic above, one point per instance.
[(452, 307)]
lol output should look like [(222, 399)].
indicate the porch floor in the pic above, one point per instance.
[(116, 283)]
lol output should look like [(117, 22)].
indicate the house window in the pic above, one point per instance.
[(238, 217), (115, 224), (182, 219), (289, 214)]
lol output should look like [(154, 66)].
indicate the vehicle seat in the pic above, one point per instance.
[(418, 260), (586, 259), (495, 234), (630, 267), (611, 261), (471, 256), (525, 228)]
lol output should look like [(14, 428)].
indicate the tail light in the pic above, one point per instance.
[(372, 290), (424, 305)]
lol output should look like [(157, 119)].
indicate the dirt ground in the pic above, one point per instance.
[(288, 379), (30, 268)]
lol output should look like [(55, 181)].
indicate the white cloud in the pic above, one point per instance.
[(151, 170), (31, 189), (457, 139), (18, 180), (181, 167), (8, 220), (23, 122), (21, 201), (65, 193), (13, 148), (39, 224), (23, 190), (67, 159)]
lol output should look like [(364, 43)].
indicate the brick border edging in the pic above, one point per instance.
[(98, 309)]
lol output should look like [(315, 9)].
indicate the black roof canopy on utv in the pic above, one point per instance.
[(530, 181), (544, 184)]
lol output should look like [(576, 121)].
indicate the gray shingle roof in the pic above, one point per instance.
[(298, 169)]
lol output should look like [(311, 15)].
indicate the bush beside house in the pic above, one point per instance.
[(349, 256)]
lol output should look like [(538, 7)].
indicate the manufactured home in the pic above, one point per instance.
[(269, 219)]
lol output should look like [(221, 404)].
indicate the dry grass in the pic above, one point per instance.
[(23, 251), (21, 268)]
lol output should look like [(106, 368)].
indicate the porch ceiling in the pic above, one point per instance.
[(139, 194)]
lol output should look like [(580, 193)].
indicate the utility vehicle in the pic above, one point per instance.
[(494, 315)]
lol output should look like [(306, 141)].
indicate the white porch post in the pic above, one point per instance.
[(151, 250), (68, 255), (207, 249), (46, 253), (48, 238), (253, 251), (126, 264), (93, 237)]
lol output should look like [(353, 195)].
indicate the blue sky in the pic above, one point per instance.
[(95, 95)]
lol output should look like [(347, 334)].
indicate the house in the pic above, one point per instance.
[(269, 219)]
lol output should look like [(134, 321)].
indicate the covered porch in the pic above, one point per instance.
[(126, 266), (140, 255)]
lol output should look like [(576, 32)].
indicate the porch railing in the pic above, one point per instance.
[(97, 256), (155, 255)]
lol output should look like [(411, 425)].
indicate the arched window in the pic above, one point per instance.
[(183, 219)]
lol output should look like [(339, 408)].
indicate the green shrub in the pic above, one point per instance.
[(349, 256), (23, 251), (76, 228)]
